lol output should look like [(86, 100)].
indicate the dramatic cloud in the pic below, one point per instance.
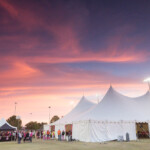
[(52, 52)]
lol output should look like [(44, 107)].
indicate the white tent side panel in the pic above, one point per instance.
[(81, 131), (99, 132), (46, 127), (103, 131), (131, 129)]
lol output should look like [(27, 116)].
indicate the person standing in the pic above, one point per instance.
[(44, 135), (69, 136), (48, 135), (63, 134), (53, 134), (16, 136), (59, 135)]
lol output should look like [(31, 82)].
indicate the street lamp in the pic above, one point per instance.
[(148, 81), (49, 113)]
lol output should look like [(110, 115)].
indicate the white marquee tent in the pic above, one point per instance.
[(114, 116)]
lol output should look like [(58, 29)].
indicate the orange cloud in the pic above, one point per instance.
[(130, 56), (17, 71), (37, 103)]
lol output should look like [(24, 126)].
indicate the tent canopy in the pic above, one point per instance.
[(6, 127), (115, 107), (5, 124), (2, 122), (82, 107)]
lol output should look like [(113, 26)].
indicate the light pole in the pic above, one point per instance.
[(49, 114), (15, 107)]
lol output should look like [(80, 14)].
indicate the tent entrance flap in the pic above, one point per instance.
[(52, 128), (142, 130), (68, 127)]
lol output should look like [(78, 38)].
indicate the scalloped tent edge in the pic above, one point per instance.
[(3, 122)]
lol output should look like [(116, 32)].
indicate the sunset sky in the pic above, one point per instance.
[(53, 51)]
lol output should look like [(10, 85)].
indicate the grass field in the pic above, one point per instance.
[(63, 145)]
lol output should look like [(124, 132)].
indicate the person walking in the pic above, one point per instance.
[(26, 136), (30, 136), (19, 137)]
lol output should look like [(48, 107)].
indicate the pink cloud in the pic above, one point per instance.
[(19, 70), (9, 8)]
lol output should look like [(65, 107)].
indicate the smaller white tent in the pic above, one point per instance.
[(3, 121), (82, 107)]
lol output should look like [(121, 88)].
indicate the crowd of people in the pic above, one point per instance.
[(25, 136), (28, 135), (16, 135), (64, 135), (143, 134), (6, 136), (47, 135)]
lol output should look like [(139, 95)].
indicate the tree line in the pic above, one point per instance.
[(32, 125)]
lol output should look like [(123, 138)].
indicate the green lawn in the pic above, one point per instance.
[(56, 145)]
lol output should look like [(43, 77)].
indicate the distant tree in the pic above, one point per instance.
[(15, 122), (33, 125), (54, 118), (40, 125)]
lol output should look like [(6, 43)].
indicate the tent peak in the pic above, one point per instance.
[(110, 88), (2, 119), (83, 98), (111, 91)]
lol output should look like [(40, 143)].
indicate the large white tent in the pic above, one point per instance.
[(114, 116), (81, 108)]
